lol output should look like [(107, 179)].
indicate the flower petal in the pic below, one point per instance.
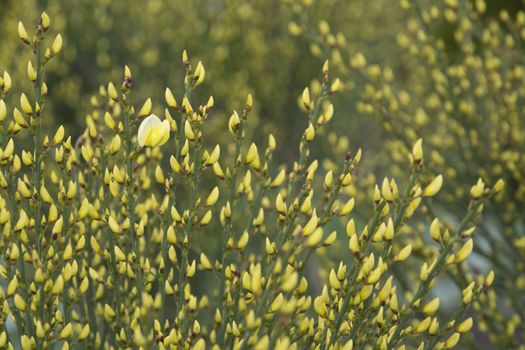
[(147, 125)]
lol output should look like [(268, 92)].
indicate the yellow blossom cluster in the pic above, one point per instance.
[(108, 239)]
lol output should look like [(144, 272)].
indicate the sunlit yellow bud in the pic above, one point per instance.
[(113, 225), (465, 251), (44, 194), (252, 154), (280, 205), (422, 325), (289, 282), (249, 101), (214, 155), (423, 274), (87, 153), (328, 180), (417, 151), (26, 343), (145, 109), (81, 243), (53, 213), (7, 82), (159, 176), (57, 227), (433, 188), (66, 331), (9, 149), (84, 285), (350, 228), (320, 307), (452, 340), (336, 85), (109, 312), (59, 135), (71, 190), (315, 238), (19, 302), (311, 225), (347, 207), (213, 197), (498, 186), (170, 99), (243, 241), (334, 282), (190, 269), (306, 100), (205, 262), (431, 307), (127, 72), (306, 207), (227, 210), (19, 118), (175, 166), (31, 72), (489, 279), (233, 123), (279, 179), (112, 91), (57, 44), (199, 73), (171, 236), (188, 131), (477, 190), (22, 33), (115, 145), (3, 110), (386, 190), (435, 230), (309, 133), (58, 286), (45, 20), (465, 326), (153, 132), (23, 189), (270, 247), (84, 332), (404, 253), (206, 218), (110, 122), (25, 105), (354, 244)]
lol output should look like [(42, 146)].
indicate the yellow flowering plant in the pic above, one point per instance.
[(146, 234)]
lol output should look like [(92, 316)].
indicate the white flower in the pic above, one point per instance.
[(153, 132)]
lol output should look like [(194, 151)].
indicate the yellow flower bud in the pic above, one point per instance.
[(404, 253), (188, 131), (433, 188), (213, 197), (431, 307), (59, 135), (417, 151), (31, 72), (205, 262), (145, 109), (306, 100), (57, 44), (45, 20), (465, 251), (25, 105), (170, 99), (22, 33), (309, 133), (252, 154)]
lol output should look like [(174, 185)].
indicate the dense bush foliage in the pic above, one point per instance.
[(198, 228)]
